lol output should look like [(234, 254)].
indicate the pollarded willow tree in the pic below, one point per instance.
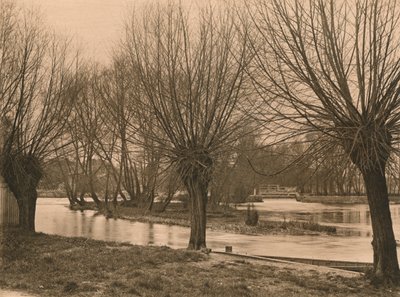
[(36, 85), (191, 78), (118, 89), (333, 67)]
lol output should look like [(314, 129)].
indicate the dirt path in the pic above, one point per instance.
[(5, 293)]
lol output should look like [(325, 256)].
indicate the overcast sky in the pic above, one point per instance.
[(95, 24)]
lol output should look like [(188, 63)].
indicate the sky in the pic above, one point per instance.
[(95, 25)]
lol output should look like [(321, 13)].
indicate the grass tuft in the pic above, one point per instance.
[(70, 287), (153, 283), (134, 292)]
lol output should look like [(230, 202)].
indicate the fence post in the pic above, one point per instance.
[(9, 214)]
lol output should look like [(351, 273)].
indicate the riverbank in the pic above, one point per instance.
[(49, 265), (219, 218), (342, 199), (51, 193)]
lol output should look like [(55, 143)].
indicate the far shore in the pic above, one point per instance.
[(306, 198), (361, 199), (219, 218)]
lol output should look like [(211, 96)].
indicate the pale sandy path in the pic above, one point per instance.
[(5, 293)]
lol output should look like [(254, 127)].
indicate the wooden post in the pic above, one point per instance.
[(228, 249), (9, 214)]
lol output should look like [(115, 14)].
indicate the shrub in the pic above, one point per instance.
[(251, 215), (317, 227), (183, 198), (240, 193)]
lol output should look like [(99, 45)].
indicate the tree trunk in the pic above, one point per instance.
[(95, 198), (167, 202), (197, 190), (122, 194), (82, 198), (22, 174), (195, 171), (71, 196), (27, 210), (386, 267)]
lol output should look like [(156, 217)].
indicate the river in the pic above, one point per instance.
[(350, 219), (54, 217)]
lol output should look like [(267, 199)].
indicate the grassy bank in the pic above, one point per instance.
[(56, 266), (219, 218), (51, 193), (343, 199)]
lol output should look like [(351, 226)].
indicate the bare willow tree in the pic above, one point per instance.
[(333, 67), (86, 127), (36, 87), (117, 90), (191, 77)]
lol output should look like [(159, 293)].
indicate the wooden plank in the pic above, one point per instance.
[(346, 265), (9, 215), (354, 270)]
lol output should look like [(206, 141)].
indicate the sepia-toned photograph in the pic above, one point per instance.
[(190, 148)]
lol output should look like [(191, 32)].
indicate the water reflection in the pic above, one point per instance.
[(54, 217), (350, 220)]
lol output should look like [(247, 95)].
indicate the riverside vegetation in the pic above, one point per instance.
[(221, 218)]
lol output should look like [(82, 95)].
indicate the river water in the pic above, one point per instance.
[(350, 219), (353, 243)]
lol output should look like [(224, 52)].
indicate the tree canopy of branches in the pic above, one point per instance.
[(191, 78), (35, 89), (333, 67), (119, 92)]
